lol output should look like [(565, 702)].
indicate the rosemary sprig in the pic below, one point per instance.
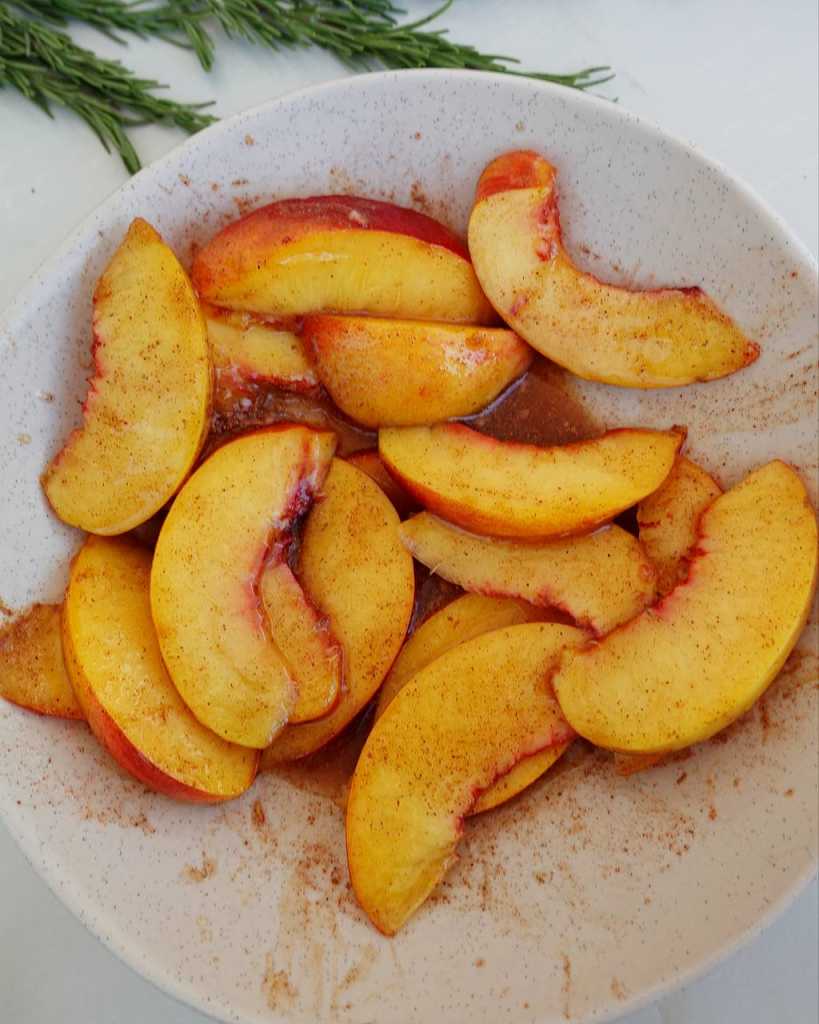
[(48, 67), (172, 22), (363, 33), (44, 64)]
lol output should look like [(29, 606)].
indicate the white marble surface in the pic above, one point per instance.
[(737, 78)]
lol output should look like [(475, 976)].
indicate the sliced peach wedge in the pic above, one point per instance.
[(232, 517), (663, 337), (369, 461), (601, 579), (305, 639), (340, 254), (355, 568), (148, 404), (32, 668), (125, 691), (409, 372), (247, 349), (520, 490), (668, 519), (460, 723), (681, 671), (465, 618)]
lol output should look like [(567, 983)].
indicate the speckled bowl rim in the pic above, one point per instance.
[(109, 932)]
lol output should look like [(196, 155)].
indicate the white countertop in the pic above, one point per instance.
[(737, 78)]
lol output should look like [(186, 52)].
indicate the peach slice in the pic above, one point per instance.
[(250, 350), (32, 669), (520, 490), (663, 337), (600, 580), (467, 718), (238, 507), (668, 519), (465, 618), (526, 772), (358, 572), (340, 254), (683, 670), (148, 404), (668, 529), (305, 641), (407, 372), (125, 691), (369, 462)]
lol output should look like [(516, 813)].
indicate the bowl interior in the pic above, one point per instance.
[(588, 893)]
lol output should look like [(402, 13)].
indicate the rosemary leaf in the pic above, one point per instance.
[(41, 61), (49, 68)]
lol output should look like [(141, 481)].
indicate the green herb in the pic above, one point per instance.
[(46, 66)]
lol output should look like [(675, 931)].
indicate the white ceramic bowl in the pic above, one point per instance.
[(589, 894)]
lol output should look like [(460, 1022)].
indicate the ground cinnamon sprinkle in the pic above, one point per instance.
[(419, 196), (195, 874), (257, 814), (115, 815), (276, 985), (617, 989), (567, 986), (244, 204), (764, 718)]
